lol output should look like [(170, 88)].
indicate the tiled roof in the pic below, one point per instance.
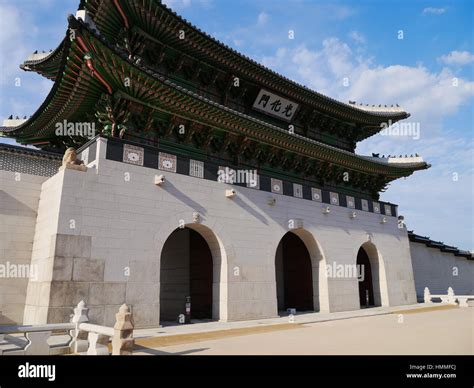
[(154, 14), (54, 109), (439, 245), (29, 151)]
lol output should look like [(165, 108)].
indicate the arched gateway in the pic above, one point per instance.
[(372, 282), (190, 267), (299, 280), (293, 274)]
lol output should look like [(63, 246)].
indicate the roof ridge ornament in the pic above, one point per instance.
[(398, 159), (13, 121), (83, 15), (376, 108)]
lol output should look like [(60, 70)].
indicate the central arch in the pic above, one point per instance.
[(372, 281), (366, 284), (294, 274), (299, 273), (190, 266)]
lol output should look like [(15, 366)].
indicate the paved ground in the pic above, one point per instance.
[(444, 331), (171, 328)]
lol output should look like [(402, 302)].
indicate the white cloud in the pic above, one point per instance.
[(321, 70), (429, 199), (18, 86), (357, 37), (457, 58), (429, 96), (262, 18), (339, 12), (14, 39), (434, 11)]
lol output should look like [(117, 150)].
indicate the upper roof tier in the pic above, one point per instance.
[(153, 21), (91, 67)]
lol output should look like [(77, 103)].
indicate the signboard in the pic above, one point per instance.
[(275, 105)]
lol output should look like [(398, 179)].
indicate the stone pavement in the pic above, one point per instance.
[(202, 327), (441, 330), (174, 334)]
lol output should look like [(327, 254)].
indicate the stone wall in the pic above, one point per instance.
[(99, 236), (19, 197), (42, 255), (439, 270), (122, 219)]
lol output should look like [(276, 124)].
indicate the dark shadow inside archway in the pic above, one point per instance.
[(294, 278), (366, 286), (186, 270)]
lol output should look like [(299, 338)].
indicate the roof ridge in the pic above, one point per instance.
[(73, 21), (271, 71), (27, 150), (439, 245), (165, 80)]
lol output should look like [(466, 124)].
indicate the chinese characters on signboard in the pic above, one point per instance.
[(275, 105)]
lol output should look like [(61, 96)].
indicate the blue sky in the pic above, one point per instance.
[(429, 72)]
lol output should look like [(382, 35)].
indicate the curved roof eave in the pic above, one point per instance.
[(6, 130), (40, 66), (400, 115), (376, 116), (402, 166), (407, 168), (19, 130)]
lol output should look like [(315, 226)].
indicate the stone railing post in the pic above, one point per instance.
[(79, 341), (427, 295), (122, 341), (451, 297), (98, 344)]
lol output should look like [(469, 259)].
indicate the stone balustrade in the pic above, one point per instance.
[(449, 298), (37, 337), (85, 338)]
